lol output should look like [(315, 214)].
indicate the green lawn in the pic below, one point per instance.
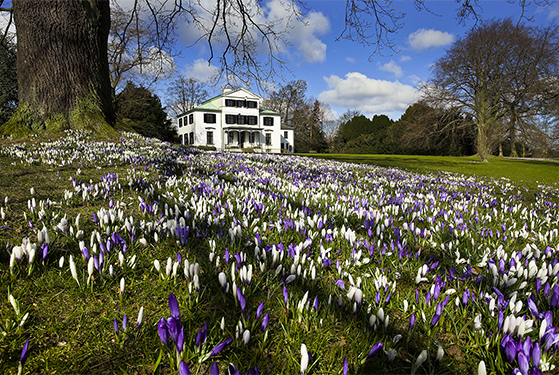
[(522, 172)]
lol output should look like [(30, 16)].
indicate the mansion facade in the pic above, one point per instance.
[(235, 121)]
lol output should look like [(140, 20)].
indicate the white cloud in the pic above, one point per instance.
[(392, 67), (424, 39), (201, 70), (359, 92), (405, 58), (301, 33), (350, 59)]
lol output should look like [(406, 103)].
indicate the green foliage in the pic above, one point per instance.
[(363, 136), (8, 80), (143, 108)]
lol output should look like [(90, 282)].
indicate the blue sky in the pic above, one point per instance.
[(341, 74)]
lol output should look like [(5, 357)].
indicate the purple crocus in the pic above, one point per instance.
[(174, 326), (377, 348), (44, 250), (219, 347), (412, 321), (265, 322), (259, 310), (115, 325), (345, 367), (24, 353), (510, 351), (124, 323), (174, 307), (437, 315), (523, 363), (536, 355), (214, 370), (180, 341), (242, 300), (285, 295), (183, 369), (163, 331)]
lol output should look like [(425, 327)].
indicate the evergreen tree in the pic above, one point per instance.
[(144, 109)]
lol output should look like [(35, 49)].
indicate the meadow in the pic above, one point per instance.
[(136, 256)]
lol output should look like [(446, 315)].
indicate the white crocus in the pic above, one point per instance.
[(304, 358), (73, 269)]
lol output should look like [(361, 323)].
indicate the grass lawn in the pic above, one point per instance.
[(522, 172)]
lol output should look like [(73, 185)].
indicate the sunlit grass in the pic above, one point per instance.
[(521, 172)]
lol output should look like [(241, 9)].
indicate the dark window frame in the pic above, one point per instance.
[(210, 118)]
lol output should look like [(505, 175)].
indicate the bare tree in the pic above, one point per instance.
[(184, 94), (494, 71), (132, 51)]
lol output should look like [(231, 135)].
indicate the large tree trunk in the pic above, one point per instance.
[(63, 72)]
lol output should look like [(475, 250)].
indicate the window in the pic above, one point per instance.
[(285, 135), (209, 118), (210, 136), (252, 104), (251, 120), (240, 119), (251, 138), (180, 122), (240, 103), (268, 139), (230, 119), (268, 121), (191, 138), (191, 118), (230, 103)]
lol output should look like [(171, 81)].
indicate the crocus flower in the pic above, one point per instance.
[(180, 341), (242, 300), (24, 353), (183, 368), (304, 358), (377, 348), (214, 370), (124, 323), (140, 318), (174, 307), (510, 351), (536, 355), (481, 368), (219, 347), (174, 326), (345, 367), (265, 322), (412, 321), (420, 359), (523, 363), (259, 310), (163, 331), (437, 315)]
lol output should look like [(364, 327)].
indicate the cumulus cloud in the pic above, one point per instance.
[(392, 67), (201, 70), (358, 92), (424, 39)]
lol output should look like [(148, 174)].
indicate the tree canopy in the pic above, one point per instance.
[(142, 109), (496, 74)]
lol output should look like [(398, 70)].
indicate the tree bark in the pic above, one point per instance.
[(63, 72)]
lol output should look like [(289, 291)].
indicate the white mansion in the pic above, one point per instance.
[(233, 121)]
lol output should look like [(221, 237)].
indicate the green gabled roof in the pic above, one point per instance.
[(268, 112), (206, 106)]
